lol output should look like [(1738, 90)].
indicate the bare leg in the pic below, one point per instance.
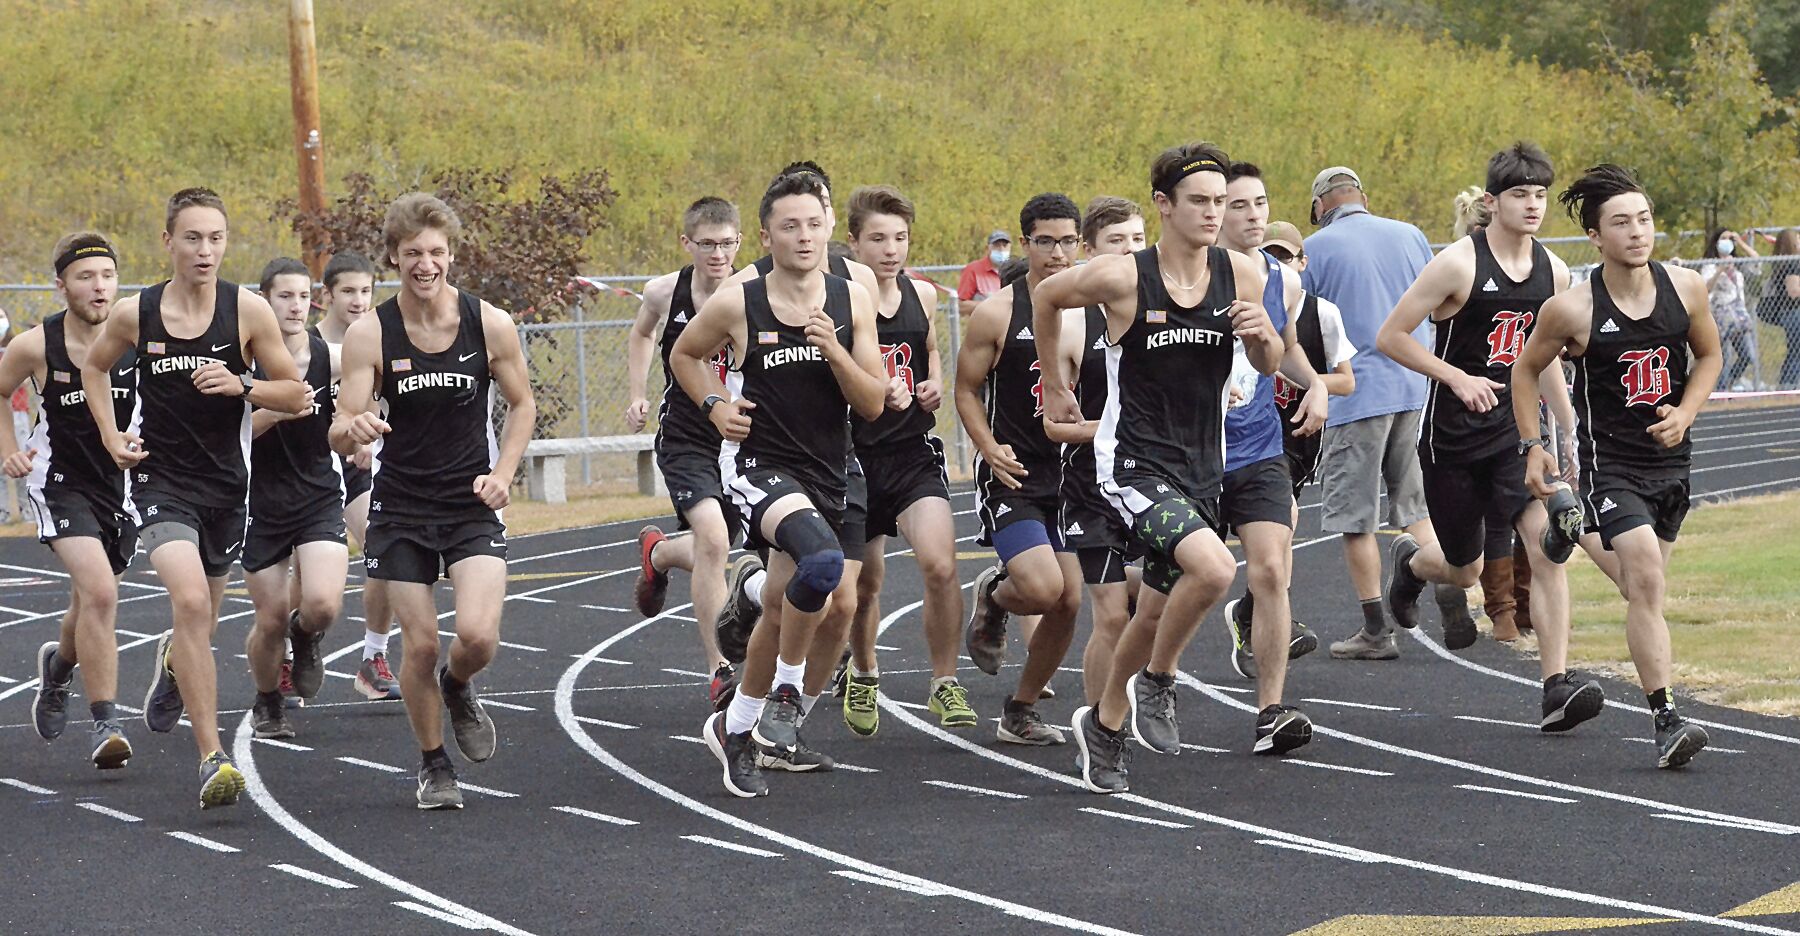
[(417, 614), (1049, 643), (705, 553), (265, 642), (1110, 602), (929, 528), (1644, 561), (87, 635), (194, 600), (1268, 547)]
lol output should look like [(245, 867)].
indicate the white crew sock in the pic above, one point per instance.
[(789, 674), (742, 714), (374, 643)]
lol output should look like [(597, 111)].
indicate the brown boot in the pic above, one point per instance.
[(1497, 597), (1521, 566)]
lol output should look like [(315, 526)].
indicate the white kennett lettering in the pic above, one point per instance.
[(181, 362), (1184, 336), (780, 356), (434, 379)]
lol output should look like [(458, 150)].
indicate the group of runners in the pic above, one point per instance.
[(1129, 413)]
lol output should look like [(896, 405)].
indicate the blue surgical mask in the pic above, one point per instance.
[(997, 257), (1725, 246)]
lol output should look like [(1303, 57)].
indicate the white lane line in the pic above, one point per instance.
[(1234, 689), (965, 788), (514, 706), (314, 876), (688, 738), (27, 685), (686, 672), (731, 846), (1128, 817), (129, 633), (202, 841), (1361, 705), (1314, 850), (106, 811), (586, 720), (1497, 721), (1747, 827), (577, 656), (1709, 748), (853, 768), (1355, 770), (436, 914), (1201, 747), (534, 600), (486, 791), (890, 882), (887, 649), (7, 680), (244, 753), (1519, 793), (911, 705), (28, 787), (607, 608), (284, 745), (359, 762), (596, 816)]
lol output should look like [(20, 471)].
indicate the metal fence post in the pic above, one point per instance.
[(953, 328), (581, 364)]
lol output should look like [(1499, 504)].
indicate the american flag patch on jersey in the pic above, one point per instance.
[(768, 338), (61, 376), (153, 347), (1156, 317), (402, 364)]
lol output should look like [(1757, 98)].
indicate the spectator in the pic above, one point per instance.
[(1725, 292), (1780, 304), (1364, 263), (1471, 213), (981, 279)]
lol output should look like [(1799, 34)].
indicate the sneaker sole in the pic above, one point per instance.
[(718, 751), (285, 732), (1084, 757), (1056, 737), (1131, 718), (368, 691), (767, 762), (112, 753), (447, 804), (982, 589), (958, 722), (1459, 627), (222, 788), (162, 647), (1383, 654), (1287, 736), (1242, 662), (1587, 702), (1686, 746), (1302, 644)]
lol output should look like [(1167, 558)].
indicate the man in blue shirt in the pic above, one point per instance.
[(1364, 263)]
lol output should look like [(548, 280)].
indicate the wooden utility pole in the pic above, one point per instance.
[(303, 75)]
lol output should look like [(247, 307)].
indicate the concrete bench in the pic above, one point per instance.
[(546, 463)]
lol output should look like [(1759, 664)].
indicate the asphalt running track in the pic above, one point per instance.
[(1427, 801)]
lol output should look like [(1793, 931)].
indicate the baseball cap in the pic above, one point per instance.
[(1283, 234), (1322, 181), (999, 236)]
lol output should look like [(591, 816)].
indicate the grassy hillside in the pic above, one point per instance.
[(113, 106)]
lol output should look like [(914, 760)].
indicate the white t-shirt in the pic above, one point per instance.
[(1337, 351)]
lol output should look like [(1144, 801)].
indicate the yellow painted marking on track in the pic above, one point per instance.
[(535, 576), (1383, 925), (1785, 900), (973, 554)]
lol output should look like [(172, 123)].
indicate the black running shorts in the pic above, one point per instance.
[(424, 552), (64, 512), (692, 475), (1260, 492), (900, 476), (1161, 528), (756, 490), (267, 543), (1611, 505), (1470, 500), (217, 531)]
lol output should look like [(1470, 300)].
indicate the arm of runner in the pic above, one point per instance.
[(1068, 355), (930, 394), (119, 335), (1250, 322), (858, 369), (718, 323), (23, 360), (506, 361), (1438, 287), (980, 349), (1708, 361), (640, 348), (1110, 281), (1556, 324), (284, 390), (354, 424)]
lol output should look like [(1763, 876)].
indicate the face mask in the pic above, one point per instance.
[(1725, 246), (997, 257)]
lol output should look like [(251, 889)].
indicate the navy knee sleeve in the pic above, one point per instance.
[(818, 560)]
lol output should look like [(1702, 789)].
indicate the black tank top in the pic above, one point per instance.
[(438, 405), (70, 456), (1167, 379), (294, 473), (1310, 336), (1631, 367), (906, 354), (1484, 337), (198, 444), (1015, 397), (836, 266), (801, 424), (1090, 391), (679, 422)]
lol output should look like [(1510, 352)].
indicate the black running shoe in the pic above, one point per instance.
[(737, 754), (309, 666), (162, 702), (723, 687), (801, 759), (837, 675), (779, 725), (1453, 608), (1301, 641), (1103, 759), (438, 788), (985, 637), (1280, 729), (1152, 713), (1564, 531), (268, 717), (739, 615), (652, 587), (469, 722), (1677, 739), (1243, 658), (1403, 587), (1569, 699), (50, 705)]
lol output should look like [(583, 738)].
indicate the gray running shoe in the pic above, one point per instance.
[(1404, 587), (1365, 646), (162, 703), (1280, 729), (376, 681), (739, 615), (111, 750), (1302, 641), (1564, 530), (269, 719), (1677, 740), (779, 725), (220, 782), (1102, 759), (309, 665), (1569, 699), (985, 637), (50, 704), (801, 759), (1152, 712), (469, 722), (1453, 608), (1021, 724), (1243, 659), (438, 788), (737, 754)]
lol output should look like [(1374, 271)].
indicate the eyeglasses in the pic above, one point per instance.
[(1068, 244), (712, 246)]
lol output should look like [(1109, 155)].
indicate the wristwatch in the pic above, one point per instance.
[(1526, 444), (244, 378), (707, 404)]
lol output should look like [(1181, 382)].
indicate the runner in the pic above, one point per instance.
[(1018, 473), (909, 489), (435, 353), (296, 516), (1646, 354), (1172, 312), (783, 455), (187, 451), (349, 295), (687, 446), (77, 493)]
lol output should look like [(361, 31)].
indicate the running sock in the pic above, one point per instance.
[(742, 713), (60, 669), (437, 757), (1161, 679), (1374, 619), (807, 702), (789, 674), (1659, 699), (1246, 607), (374, 643), (875, 673), (753, 586), (272, 698), (449, 684), (102, 711), (1554, 678), (940, 681), (1014, 705)]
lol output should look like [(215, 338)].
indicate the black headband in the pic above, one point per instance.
[(82, 253), (1202, 164), (1521, 176)]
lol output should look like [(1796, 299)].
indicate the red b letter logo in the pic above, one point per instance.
[(1646, 377), (1508, 337)]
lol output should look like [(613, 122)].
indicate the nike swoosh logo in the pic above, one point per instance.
[(220, 347), (127, 371), (1221, 311), (467, 356)]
